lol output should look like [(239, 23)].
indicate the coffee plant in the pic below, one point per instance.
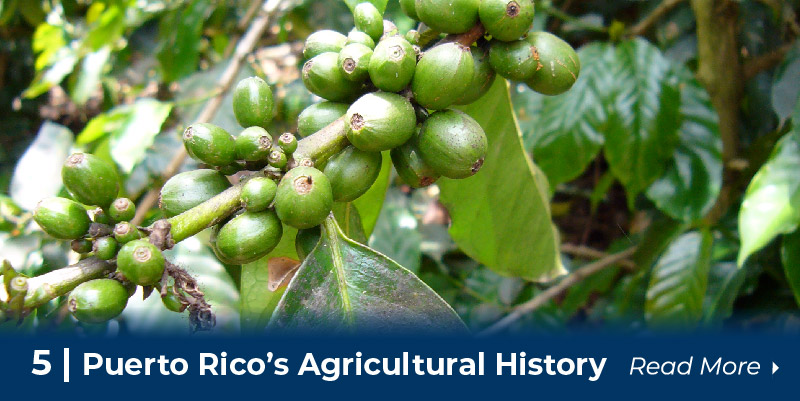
[(424, 165)]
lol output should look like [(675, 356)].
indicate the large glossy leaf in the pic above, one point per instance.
[(692, 181), (38, 172), (257, 299), (345, 286), (565, 131), (369, 205), (89, 77), (785, 85), (501, 215), (643, 125), (678, 282), (790, 254), (725, 281), (770, 205), (136, 127), (181, 34)]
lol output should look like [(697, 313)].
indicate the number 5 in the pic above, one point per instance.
[(37, 360)]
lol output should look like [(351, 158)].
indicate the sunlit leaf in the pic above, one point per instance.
[(345, 286), (130, 140), (38, 172), (679, 281), (501, 215)]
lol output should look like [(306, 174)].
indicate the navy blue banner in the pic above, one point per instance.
[(570, 366)]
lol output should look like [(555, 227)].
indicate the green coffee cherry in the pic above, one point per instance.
[(412, 37), (515, 60), (506, 20), (482, 77), (306, 240), (361, 38), (172, 301), (304, 198), (444, 73), (410, 166), (392, 64), (97, 301), (450, 16), (253, 144), (140, 262), (122, 209), (354, 60), (409, 8), (368, 20), (252, 103), (249, 236), (322, 42), (558, 61), (187, 190), (90, 179), (105, 248), (287, 142), (453, 144), (323, 77), (380, 121), (125, 232), (62, 218), (277, 158), (210, 144), (318, 116), (81, 246), (352, 172), (258, 193)]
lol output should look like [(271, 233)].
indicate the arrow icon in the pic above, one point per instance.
[(775, 368)]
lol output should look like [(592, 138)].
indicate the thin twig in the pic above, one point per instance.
[(572, 279), (243, 48), (586, 252), (659, 12), (764, 62)]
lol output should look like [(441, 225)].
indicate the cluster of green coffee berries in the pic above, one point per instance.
[(98, 224)]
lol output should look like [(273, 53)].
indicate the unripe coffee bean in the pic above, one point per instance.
[(248, 237), (304, 198), (287, 142), (252, 103), (122, 209), (506, 20), (125, 232), (81, 246), (62, 218), (450, 16), (277, 158), (409, 8), (443, 75), (361, 38), (352, 172), (141, 262), (258, 193), (189, 189), (172, 302), (97, 301), (410, 166), (90, 179), (354, 61), (210, 144), (559, 65), (323, 77), (392, 64), (253, 144), (318, 116), (453, 144), (306, 240), (323, 41), (380, 121), (105, 248), (368, 20), (482, 78)]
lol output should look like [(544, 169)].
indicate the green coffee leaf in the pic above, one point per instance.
[(725, 281), (770, 203), (643, 126), (181, 34), (38, 172), (349, 221), (135, 132), (692, 181), (790, 254), (505, 205), (785, 85), (257, 299), (678, 282), (565, 131), (369, 205), (89, 76), (346, 286)]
